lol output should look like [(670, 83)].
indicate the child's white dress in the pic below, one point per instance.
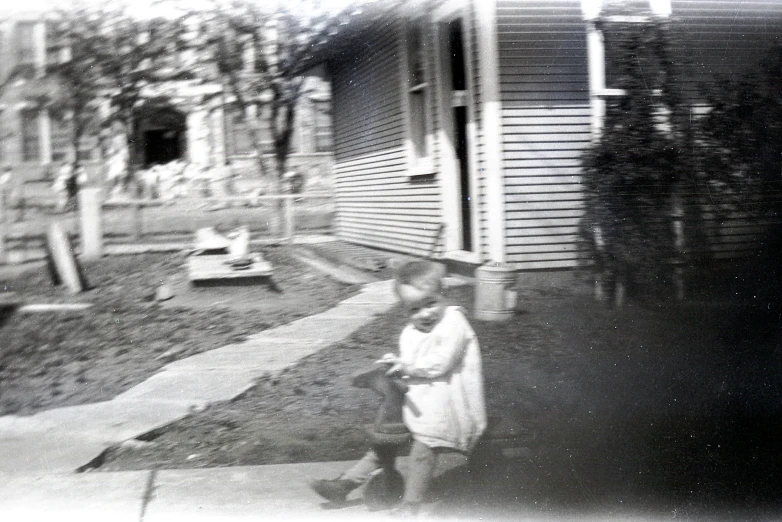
[(444, 406)]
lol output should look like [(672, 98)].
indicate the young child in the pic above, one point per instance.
[(440, 361)]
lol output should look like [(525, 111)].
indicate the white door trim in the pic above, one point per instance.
[(491, 121), (449, 168)]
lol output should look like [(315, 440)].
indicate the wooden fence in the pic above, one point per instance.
[(281, 217)]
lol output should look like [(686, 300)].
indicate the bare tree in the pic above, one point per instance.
[(105, 59), (76, 39), (261, 53)]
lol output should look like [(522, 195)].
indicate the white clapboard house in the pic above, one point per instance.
[(459, 125)]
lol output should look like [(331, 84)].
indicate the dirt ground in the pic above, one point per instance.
[(59, 359), (663, 407)]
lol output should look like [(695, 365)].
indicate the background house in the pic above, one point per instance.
[(196, 123), (460, 124)]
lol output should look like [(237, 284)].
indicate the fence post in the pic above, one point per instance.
[(289, 219), (137, 223), (91, 223), (59, 245)]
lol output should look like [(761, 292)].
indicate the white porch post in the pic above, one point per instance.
[(596, 65), (492, 123)]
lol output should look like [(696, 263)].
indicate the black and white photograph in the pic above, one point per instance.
[(447, 260)]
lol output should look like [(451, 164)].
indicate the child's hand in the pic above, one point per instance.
[(394, 363), (388, 358)]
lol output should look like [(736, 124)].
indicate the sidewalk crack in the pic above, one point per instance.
[(149, 493)]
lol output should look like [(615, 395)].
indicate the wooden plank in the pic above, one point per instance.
[(551, 163), (543, 239), (346, 172), (571, 134), (549, 231), (534, 129), (552, 199), (358, 174), (374, 120), (406, 249), (544, 222), (539, 215), (373, 143), (419, 245), (542, 74), (377, 127), (388, 159), (35, 308), (545, 265), (521, 257), (579, 94), (411, 201), (419, 234), (562, 186), (564, 248), (398, 187), (398, 221), (544, 176), (363, 210), (388, 156), (201, 268), (570, 111), (373, 205), (546, 154), (525, 209), (529, 89)]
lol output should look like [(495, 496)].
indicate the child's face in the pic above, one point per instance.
[(424, 306)]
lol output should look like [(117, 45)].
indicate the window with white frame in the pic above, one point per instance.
[(31, 135), (323, 138), (418, 97), (60, 129), (89, 144), (25, 48)]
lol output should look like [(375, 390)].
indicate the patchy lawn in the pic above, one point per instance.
[(659, 405), (56, 359)]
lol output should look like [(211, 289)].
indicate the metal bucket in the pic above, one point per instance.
[(495, 293)]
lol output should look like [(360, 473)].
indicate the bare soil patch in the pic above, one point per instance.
[(60, 359)]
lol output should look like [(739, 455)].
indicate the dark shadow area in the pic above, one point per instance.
[(661, 409)]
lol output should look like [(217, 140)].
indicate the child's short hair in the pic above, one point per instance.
[(420, 274)]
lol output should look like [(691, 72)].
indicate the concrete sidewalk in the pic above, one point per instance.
[(273, 492), (65, 439), (240, 493)]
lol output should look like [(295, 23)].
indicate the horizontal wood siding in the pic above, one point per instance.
[(378, 204), (545, 127), (723, 38)]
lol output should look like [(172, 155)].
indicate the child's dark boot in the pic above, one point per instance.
[(334, 490)]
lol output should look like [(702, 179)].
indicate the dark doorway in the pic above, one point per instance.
[(161, 134), (460, 119), (161, 146)]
